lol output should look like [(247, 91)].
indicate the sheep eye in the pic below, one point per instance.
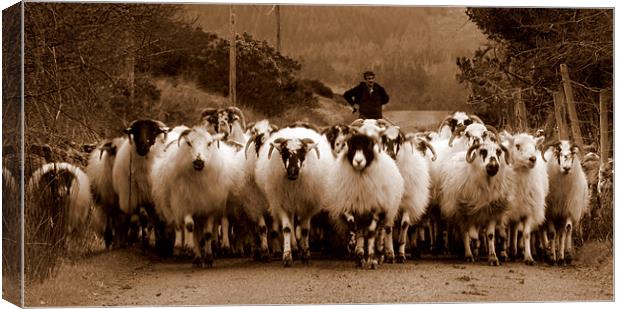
[(499, 152), (209, 144), (467, 122), (188, 143), (483, 152), (518, 146)]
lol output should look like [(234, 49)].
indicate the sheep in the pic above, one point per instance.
[(371, 127), (568, 197), (99, 171), (336, 136), (526, 206), (191, 184), (130, 174), (415, 172), (365, 189), (452, 122), (298, 189), (63, 185), (474, 187)]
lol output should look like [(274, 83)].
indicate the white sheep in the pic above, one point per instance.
[(99, 171), (526, 207), (130, 174), (474, 189), (294, 181), (568, 197), (62, 184), (191, 184), (365, 189), (452, 122), (415, 172)]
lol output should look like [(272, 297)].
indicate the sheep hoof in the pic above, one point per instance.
[(373, 264), (400, 259), (530, 262), (568, 259), (389, 258), (287, 258), (197, 262), (561, 262), (470, 259), (209, 260), (503, 256), (493, 261), (305, 257)]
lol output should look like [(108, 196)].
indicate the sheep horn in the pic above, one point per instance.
[(247, 145), (475, 118), (491, 128), (431, 148), (357, 123), (183, 135), (456, 133), (471, 154), (275, 144), (548, 145), (384, 123), (313, 145), (444, 121)]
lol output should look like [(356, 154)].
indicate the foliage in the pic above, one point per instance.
[(526, 49)]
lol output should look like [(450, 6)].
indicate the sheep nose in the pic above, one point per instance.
[(533, 159), (492, 169), (198, 164)]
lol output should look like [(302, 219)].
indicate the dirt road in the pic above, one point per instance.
[(128, 278)]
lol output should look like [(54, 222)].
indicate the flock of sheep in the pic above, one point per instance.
[(366, 187)]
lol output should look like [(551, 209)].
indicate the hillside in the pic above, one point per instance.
[(413, 50)]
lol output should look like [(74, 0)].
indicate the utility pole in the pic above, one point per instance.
[(279, 36), (232, 80)]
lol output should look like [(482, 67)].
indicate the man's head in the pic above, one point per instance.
[(369, 77)]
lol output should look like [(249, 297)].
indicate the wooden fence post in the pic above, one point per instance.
[(232, 78), (520, 112), (570, 105), (603, 100), (558, 101)]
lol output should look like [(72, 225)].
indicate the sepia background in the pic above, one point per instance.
[(90, 69)]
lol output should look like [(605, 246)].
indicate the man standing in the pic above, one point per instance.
[(368, 97)]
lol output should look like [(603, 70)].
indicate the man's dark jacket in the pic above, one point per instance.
[(370, 103)]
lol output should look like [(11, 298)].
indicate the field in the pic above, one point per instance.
[(126, 278)]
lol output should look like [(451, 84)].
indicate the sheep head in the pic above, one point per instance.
[(108, 147), (489, 156), (391, 140), (419, 141), (523, 148), (293, 152), (144, 134), (216, 120), (259, 133), (336, 136), (198, 144), (360, 150), (564, 152)]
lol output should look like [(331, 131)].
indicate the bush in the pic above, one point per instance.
[(319, 88)]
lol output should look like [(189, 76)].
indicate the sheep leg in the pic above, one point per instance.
[(402, 238), (490, 237), (294, 233), (372, 230), (199, 243), (502, 239), (473, 234), (107, 234), (527, 230), (276, 244), (446, 240), (287, 256), (305, 240), (469, 257), (359, 247), (553, 239), (264, 247), (514, 236), (432, 234), (208, 235), (569, 242), (226, 249)]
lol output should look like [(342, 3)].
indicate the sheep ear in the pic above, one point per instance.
[(539, 141), (575, 149), (357, 123), (128, 131), (182, 136), (88, 148), (506, 137)]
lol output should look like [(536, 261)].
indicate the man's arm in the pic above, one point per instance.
[(384, 96), (351, 95)]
